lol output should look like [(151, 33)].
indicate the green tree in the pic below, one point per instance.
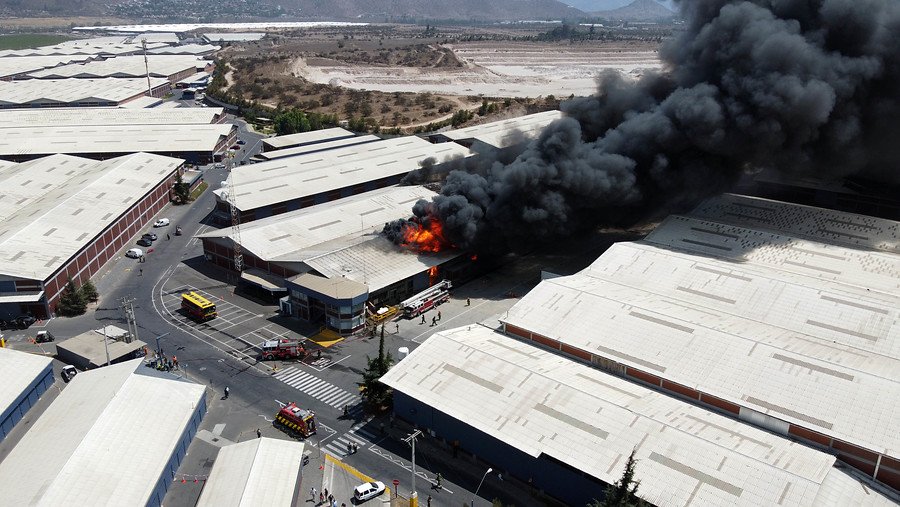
[(72, 302), (291, 122), (378, 396), (624, 492), (181, 189), (89, 291)]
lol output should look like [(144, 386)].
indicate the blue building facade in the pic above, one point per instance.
[(26, 399)]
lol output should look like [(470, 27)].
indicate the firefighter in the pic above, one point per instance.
[(433, 321), (423, 319)]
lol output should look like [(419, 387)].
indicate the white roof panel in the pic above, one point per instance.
[(13, 65), (124, 66), (23, 93), (80, 116), (66, 201), (93, 139), (323, 146), (591, 421), (303, 138), (18, 370), (185, 49), (263, 471), (276, 181), (234, 36), (106, 440), (504, 133)]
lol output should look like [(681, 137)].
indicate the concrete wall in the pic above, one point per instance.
[(17, 410)]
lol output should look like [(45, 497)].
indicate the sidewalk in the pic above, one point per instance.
[(340, 479)]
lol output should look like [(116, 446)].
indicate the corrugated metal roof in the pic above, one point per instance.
[(90, 139), (311, 137), (67, 91), (124, 66), (66, 202), (184, 49), (263, 471), (286, 179), (322, 146), (18, 370), (233, 36), (106, 440), (504, 133), (542, 403), (789, 321), (84, 116), (13, 65)]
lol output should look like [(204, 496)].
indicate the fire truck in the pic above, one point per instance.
[(427, 299), (282, 349), (295, 421)]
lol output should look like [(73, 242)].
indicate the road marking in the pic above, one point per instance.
[(400, 463), (317, 388), (356, 435), (354, 472), (324, 363)]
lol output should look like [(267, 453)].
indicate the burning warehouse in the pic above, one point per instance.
[(327, 261)]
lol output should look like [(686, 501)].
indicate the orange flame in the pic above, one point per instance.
[(425, 238)]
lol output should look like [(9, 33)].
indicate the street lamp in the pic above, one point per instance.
[(489, 470)]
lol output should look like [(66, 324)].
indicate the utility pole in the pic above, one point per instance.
[(128, 308), (411, 439), (235, 227), (147, 67), (106, 345)]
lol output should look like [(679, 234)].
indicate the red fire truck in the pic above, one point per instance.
[(295, 421), (282, 349), (427, 299)]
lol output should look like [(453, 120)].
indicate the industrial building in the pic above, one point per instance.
[(196, 143), (781, 315), (19, 67), (100, 47), (114, 436), (567, 428), (314, 148), (233, 37), (291, 183), (185, 49), (86, 209), (102, 116), (305, 138), (95, 348), (340, 255), (25, 378), (80, 93), (500, 135), (262, 471), (173, 68)]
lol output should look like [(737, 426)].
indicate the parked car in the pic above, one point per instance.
[(24, 321), (220, 165), (162, 222), (150, 236), (241, 141), (144, 242), (368, 490), (44, 337), (68, 372), (134, 253)]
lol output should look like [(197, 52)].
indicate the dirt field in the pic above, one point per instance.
[(494, 69)]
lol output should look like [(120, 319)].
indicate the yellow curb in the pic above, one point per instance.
[(354, 472)]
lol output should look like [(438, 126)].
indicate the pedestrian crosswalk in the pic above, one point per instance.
[(357, 435), (319, 389)]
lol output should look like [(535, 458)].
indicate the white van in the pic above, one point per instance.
[(162, 222)]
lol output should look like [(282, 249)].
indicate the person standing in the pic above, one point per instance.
[(226, 392), (312, 494), (439, 315), (397, 330), (258, 433)]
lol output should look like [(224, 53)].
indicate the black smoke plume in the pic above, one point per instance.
[(807, 87)]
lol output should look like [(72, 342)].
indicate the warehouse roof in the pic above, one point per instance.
[(276, 181), (124, 66), (67, 91), (304, 138), (19, 370), (111, 139), (233, 36), (312, 148), (185, 49), (504, 133), (89, 47), (24, 64), (106, 440), (79, 116), (263, 471), (152, 37), (92, 348), (66, 201), (298, 235), (592, 421), (337, 288), (789, 327)]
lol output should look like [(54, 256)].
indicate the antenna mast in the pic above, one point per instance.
[(235, 224)]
